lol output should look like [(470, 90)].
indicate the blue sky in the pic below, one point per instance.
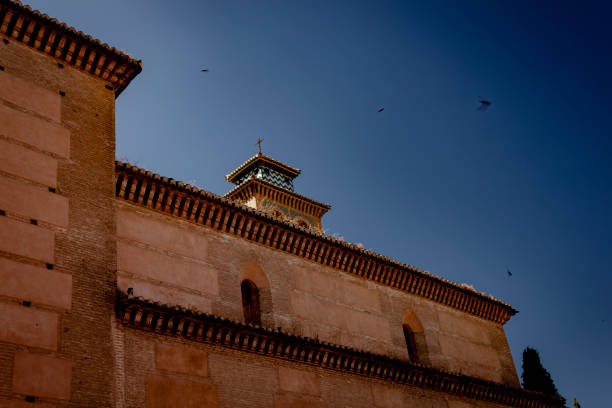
[(430, 181)]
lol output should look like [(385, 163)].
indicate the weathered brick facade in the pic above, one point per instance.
[(120, 288)]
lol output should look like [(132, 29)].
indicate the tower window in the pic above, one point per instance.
[(411, 344), (250, 302)]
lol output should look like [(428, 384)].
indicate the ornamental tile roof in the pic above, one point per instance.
[(30, 27), (261, 158)]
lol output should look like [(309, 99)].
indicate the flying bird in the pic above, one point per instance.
[(508, 272), (204, 70), (380, 110), (484, 104)]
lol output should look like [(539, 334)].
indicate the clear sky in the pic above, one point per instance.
[(429, 181)]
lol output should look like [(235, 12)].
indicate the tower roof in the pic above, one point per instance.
[(258, 160), (267, 184)]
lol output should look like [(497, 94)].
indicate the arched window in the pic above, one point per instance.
[(250, 302), (414, 335), (411, 344)]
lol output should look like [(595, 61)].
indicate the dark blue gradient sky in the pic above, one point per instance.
[(430, 181)]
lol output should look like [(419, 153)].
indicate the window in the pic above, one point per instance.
[(414, 334), (411, 344), (250, 302)]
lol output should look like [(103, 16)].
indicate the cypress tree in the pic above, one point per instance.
[(535, 377)]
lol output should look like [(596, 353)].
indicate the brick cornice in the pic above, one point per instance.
[(201, 207), (141, 314), (36, 30)]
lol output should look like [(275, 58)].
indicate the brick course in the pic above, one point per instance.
[(42, 376), (27, 240), (35, 284), (23, 162), (299, 381), (32, 130), (184, 360), (22, 404), (33, 201), (167, 392), (152, 264), (29, 96), (28, 326)]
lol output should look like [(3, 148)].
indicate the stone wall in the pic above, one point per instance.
[(57, 252)]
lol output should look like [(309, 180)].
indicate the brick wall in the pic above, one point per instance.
[(168, 372), (179, 263), (57, 251)]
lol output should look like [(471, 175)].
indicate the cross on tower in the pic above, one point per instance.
[(259, 140)]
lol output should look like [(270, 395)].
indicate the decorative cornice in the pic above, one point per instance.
[(148, 190), (40, 32), (278, 194), (259, 157), (141, 314)]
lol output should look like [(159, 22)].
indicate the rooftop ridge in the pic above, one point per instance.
[(143, 314), (43, 33), (142, 187)]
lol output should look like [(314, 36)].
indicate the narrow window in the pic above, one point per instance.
[(411, 344), (250, 302)]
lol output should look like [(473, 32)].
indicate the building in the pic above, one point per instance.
[(121, 288)]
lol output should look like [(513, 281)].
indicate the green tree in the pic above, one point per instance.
[(535, 377), (576, 403)]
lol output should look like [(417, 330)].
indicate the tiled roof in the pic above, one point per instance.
[(143, 188), (142, 314), (267, 174), (30, 27), (282, 167)]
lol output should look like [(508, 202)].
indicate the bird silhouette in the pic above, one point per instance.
[(380, 110), (484, 104), (508, 271), (205, 70)]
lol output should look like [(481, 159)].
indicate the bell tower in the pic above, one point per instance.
[(267, 185)]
